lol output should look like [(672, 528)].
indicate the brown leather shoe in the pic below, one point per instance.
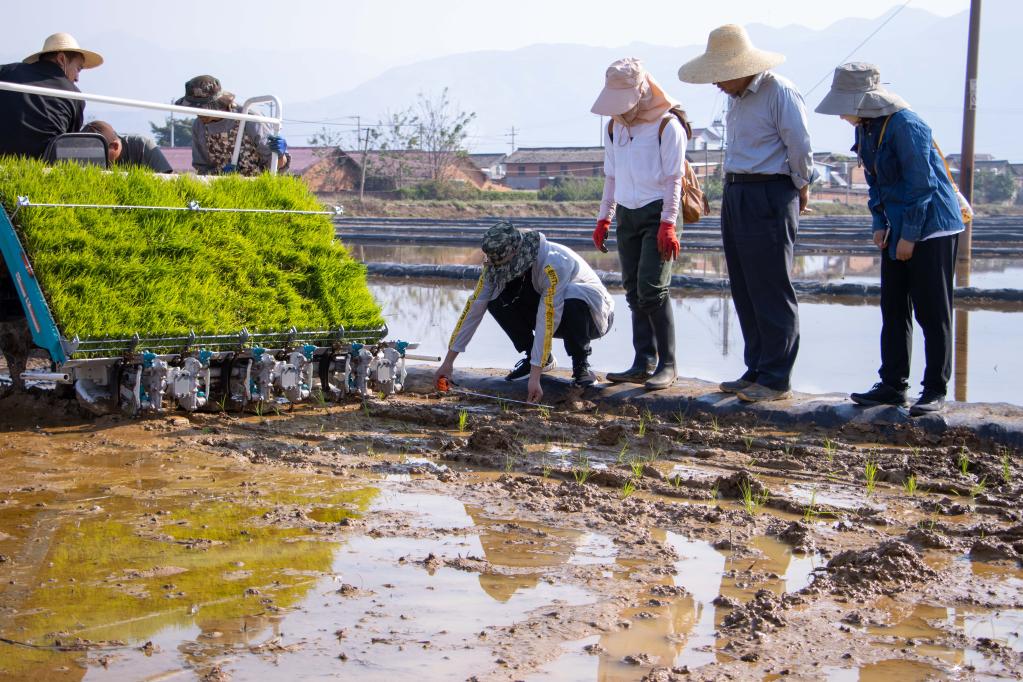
[(758, 393)]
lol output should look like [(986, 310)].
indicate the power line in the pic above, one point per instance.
[(855, 49)]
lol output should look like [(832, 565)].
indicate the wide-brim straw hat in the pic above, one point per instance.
[(65, 42), (730, 54), (856, 91), (623, 87), (510, 252)]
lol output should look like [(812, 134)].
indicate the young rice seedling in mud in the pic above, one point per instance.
[(509, 464), (978, 487), (751, 501), (621, 453), (676, 481), (1006, 471), (910, 485), (714, 425), (713, 491), (628, 488), (811, 512), (748, 440), (545, 412), (642, 425), (870, 471), (582, 472), (463, 419), (964, 461), (637, 468)]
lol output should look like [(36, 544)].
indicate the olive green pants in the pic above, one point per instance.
[(645, 276)]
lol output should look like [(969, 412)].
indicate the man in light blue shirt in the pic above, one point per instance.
[(768, 172)]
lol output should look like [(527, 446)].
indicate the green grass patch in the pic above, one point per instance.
[(114, 273)]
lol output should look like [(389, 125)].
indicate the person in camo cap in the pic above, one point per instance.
[(213, 138), (537, 291)]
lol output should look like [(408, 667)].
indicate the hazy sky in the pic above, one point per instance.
[(396, 31)]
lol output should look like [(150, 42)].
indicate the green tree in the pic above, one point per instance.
[(993, 188), (182, 132)]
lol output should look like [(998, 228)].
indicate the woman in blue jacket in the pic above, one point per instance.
[(916, 223)]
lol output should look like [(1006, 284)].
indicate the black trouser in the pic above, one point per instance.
[(920, 287), (759, 221), (515, 310), (645, 275)]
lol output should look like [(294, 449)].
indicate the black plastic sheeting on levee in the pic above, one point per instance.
[(964, 295), (993, 237), (994, 423)]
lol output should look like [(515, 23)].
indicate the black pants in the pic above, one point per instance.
[(645, 275), (515, 310), (920, 287), (759, 221)]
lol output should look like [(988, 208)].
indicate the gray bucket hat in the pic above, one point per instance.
[(856, 91), (509, 251)]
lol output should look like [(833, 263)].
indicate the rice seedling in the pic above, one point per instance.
[(829, 445), (621, 453), (258, 408), (545, 466), (365, 408), (222, 403), (320, 398), (910, 485), (963, 461), (463, 419), (978, 487), (811, 512), (1006, 471), (870, 471), (509, 464), (628, 489), (545, 412), (642, 425), (751, 501), (637, 468), (111, 273), (675, 481), (714, 492), (714, 425), (582, 472), (748, 441), (787, 449)]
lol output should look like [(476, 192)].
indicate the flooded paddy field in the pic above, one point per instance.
[(838, 352), (435, 539)]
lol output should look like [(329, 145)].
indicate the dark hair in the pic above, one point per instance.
[(103, 128), (52, 56)]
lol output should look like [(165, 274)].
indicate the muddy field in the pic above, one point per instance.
[(431, 539)]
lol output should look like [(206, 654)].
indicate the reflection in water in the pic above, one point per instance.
[(838, 350), (987, 273)]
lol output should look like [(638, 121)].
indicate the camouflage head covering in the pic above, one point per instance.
[(204, 92), (509, 252)]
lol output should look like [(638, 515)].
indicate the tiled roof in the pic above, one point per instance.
[(180, 158), (555, 155)]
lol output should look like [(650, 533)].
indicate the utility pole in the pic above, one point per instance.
[(962, 317), (362, 178), (512, 136), (172, 126), (969, 127)]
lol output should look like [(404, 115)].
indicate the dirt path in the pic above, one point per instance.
[(446, 540)]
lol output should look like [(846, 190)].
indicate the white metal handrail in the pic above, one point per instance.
[(138, 103)]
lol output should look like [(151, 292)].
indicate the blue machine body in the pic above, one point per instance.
[(40, 321)]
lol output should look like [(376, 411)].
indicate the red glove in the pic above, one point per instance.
[(667, 242), (600, 234)]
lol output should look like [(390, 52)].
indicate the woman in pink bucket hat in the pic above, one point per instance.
[(644, 163)]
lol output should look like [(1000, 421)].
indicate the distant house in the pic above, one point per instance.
[(180, 158), (706, 138), (492, 165), (532, 167), (337, 170)]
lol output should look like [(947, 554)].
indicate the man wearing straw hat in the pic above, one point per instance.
[(29, 122), (768, 171)]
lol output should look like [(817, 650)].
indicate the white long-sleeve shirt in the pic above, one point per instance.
[(640, 169), (558, 274)]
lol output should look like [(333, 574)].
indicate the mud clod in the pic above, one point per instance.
[(887, 568), (760, 614), (493, 440)]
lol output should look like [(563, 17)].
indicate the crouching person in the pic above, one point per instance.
[(537, 291)]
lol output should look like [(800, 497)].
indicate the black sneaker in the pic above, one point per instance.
[(582, 375), (929, 402), (880, 394), (522, 368)]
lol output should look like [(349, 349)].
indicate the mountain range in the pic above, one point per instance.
[(545, 91)]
